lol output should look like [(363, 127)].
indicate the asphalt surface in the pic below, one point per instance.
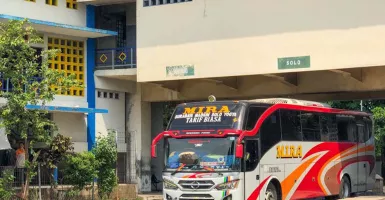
[(367, 197)]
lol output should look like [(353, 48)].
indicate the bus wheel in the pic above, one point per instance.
[(345, 190), (271, 192)]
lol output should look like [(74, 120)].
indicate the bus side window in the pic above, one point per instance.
[(347, 128), (270, 132), (253, 116), (352, 129), (368, 128), (251, 158), (329, 129), (311, 128), (290, 125)]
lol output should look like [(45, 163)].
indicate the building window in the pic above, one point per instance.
[(72, 4), (162, 2), (51, 2), (70, 60), (121, 29), (108, 95)]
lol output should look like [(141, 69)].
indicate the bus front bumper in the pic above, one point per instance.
[(207, 195)]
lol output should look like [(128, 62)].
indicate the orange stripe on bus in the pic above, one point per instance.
[(326, 163), (363, 149), (289, 181)]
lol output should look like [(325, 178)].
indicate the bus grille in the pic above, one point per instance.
[(196, 185), (196, 196)]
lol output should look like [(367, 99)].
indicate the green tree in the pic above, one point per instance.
[(168, 110), (6, 189), (80, 170), (59, 147), (379, 130), (31, 82), (105, 152)]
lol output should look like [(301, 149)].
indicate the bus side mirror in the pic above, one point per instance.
[(239, 151), (153, 151)]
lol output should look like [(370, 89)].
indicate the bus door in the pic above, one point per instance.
[(250, 163), (363, 167)]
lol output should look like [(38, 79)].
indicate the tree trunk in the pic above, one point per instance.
[(26, 185)]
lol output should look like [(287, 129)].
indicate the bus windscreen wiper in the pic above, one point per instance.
[(212, 170), (178, 169)]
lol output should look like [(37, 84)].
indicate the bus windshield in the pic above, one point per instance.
[(200, 154), (206, 116)]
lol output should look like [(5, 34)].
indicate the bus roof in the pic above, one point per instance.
[(272, 101)]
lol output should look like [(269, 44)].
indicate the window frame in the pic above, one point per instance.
[(316, 115), (51, 2), (300, 124), (246, 114), (243, 161)]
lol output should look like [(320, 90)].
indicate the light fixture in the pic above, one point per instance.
[(212, 98)]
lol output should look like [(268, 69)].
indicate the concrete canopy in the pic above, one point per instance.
[(64, 29), (354, 83)]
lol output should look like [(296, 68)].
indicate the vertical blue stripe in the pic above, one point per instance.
[(91, 98)]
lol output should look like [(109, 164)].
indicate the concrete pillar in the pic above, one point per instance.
[(138, 121), (156, 128)]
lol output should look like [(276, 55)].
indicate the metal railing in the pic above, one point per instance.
[(6, 85), (116, 58), (43, 176)]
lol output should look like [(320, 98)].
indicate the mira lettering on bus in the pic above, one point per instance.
[(289, 151), (206, 109)]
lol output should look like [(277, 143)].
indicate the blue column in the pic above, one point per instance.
[(55, 174), (91, 98)]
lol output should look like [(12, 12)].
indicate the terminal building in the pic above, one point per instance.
[(134, 55)]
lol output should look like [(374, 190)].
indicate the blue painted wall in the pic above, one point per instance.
[(91, 97)]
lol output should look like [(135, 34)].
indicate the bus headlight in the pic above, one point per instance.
[(169, 185), (228, 186)]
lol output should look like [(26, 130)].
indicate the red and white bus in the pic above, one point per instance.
[(266, 149)]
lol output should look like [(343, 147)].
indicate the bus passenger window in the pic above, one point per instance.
[(311, 129), (361, 132), (342, 125), (329, 129), (270, 132), (251, 155), (253, 116), (290, 125), (368, 128), (352, 129)]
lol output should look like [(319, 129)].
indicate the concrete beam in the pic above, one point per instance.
[(350, 73), (229, 82), (115, 84), (290, 79), (175, 87)]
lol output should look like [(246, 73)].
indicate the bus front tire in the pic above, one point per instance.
[(271, 192), (345, 189)]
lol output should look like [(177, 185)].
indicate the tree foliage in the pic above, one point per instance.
[(59, 147), (105, 152), (80, 169), (30, 81), (6, 180)]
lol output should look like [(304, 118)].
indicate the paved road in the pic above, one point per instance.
[(367, 198)]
